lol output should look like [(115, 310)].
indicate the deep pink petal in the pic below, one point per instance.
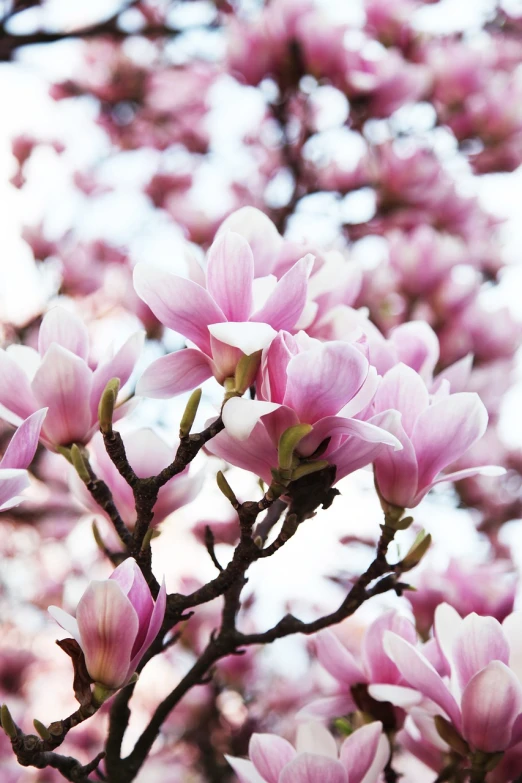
[(308, 768), (63, 384), (269, 754), (337, 660), (405, 391), (286, 302), (174, 374), (379, 666), (108, 627), (274, 363), (178, 303), (230, 273), (132, 582), (396, 471), (361, 749), (257, 454), (120, 365), (479, 642), (66, 329), (156, 620), (12, 484), (322, 380), (22, 446), (491, 703), (421, 675), (445, 431), (15, 389)]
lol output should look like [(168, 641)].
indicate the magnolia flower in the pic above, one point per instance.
[(434, 432), (371, 665), (116, 622), (232, 316), (482, 698), (361, 759), (59, 376), (18, 456), (148, 454), (305, 381)]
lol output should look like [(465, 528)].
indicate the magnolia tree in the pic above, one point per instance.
[(273, 213)]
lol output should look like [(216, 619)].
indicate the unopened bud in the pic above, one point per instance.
[(107, 404), (417, 551), (226, 489), (97, 537), (189, 414), (147, 538), (246, 371), (8, 723), (79, 464), (309, 467), (449, 734), (288, 441), (41, 729)]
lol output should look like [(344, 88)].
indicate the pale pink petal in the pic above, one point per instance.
[(512, 627), (240, 416), (457, 375), (322, 380), (328, 707), (354, 454), (379, 665), (108, 627), (66, 329), (12, 483), (396, 471), (445, 431), (447, 626), (379, 762), (479, 642), (247, 336), (398, 695), (274, 363), (417, 345), (359, 750), (421, 675), (256, 454), (260, 233), (307, 768), (313, 737), (286, 302), (230, 273), (134, 586), (363, 397), (120, 365), (335, 426), (481, 470), (174, 374), (269, 754), (337, 660), (22, 446), (404, 390), (156, 620), (245, 770), (67, 621), (15, 389), (178, 303), (491, 702), (63, 384)]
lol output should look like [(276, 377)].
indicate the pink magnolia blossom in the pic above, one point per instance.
[(361, 758), (434, 432), (116, 622), (18, 456), (303, 381), (482, 696), (229, 318), (370, 665), (59, 376), (148, 454)]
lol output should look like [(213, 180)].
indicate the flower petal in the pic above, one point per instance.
[(404, 390), (245, 770), (286, 302), (313, 737), (247, 336), (12, 484), (16, 394), (363, 753), (479, 642), (337, 659), (66, 329), (240, 416), (256, 454), (269, 754), (328, 707), (512, 627), (119, 365), (174, 374), (260, 233), (67, 621), (155, 623), (379, 665), (396, 471), (22, 446), (230, 273), (108, 628), (178, 303), (308, 768), (491, 702), (398, 695), (63, 383)]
